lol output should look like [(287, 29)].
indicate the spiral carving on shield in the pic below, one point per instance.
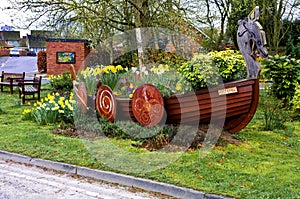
[(81, 94), (106, 103), (148, 105)]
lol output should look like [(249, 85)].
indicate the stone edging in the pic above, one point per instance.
[(149, 185)]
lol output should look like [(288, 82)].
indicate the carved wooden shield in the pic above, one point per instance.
[(81, 94), (148, 105), (106, 104)]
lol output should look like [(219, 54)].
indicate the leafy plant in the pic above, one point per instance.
[(284, 72), (51, 109), (272, 112), (111, 75), (296, 101), (167, 80), (291, 49), (155, 56), (90, 77), (230, 63), (107, 75), (200, 72), (61, 83)]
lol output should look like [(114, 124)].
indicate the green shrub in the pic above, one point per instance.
[(297, 51), (272, 112), (129, 59), (291, 49), (200, 72), (296, 101), (61, 83), (155, 56), (151, 56), (42, 61), (231, 64), (284, 72), (125, 130), (206, 70)]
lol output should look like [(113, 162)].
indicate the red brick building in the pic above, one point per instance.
[(62, 54)]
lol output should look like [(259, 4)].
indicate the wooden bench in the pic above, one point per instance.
[(30, 88), (10, 80)]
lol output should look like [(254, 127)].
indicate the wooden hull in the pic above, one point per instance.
[(124, 109), (233, 105), (234, 109)]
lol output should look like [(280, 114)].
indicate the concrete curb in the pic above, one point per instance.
[(149, 185)]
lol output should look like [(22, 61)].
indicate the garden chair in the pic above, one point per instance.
[(10, 80), (30, 88)]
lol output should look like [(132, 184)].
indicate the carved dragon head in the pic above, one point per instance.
[(252, 41)]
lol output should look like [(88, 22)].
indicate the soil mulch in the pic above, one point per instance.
[(158, 142)]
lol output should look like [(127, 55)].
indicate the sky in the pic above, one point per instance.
[(6, 18)]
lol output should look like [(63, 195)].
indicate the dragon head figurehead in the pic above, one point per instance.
[(252, 41)]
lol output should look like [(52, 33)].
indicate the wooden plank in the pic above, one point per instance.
[(207, 112), (206, 118), (208, 96), (207, 107), (239, 124)]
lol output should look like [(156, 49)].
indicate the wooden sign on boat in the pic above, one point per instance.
[(235, 102)]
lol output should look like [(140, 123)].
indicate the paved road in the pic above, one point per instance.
[(18, 181), (18, 64)]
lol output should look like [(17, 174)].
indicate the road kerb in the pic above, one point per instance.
[(126, 180)]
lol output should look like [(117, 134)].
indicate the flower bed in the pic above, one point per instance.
[(51, 109)]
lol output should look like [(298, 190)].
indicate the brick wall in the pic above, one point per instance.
[(4, 52), (80, 47)]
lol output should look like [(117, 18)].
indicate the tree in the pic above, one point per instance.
[(212, 16), (98, 19), (223, 15), (272, 14)]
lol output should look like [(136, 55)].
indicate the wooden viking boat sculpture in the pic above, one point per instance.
[(235, 102)]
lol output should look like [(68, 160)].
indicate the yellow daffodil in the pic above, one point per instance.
[(178, 86), (26, 111), (119, 67)]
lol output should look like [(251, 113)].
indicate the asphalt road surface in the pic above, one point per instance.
[(19, 181), (19, 64)]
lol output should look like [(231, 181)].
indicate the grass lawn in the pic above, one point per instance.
[(264, 164)]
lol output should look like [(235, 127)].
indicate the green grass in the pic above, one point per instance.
[(266, 164)]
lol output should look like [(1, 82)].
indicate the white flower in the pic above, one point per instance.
[(134, 69), (143, 69), (160, 72)]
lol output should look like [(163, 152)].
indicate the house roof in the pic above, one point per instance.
[(10, 35), (38, 38), (36, 41)]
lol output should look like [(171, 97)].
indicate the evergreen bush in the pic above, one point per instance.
[(284, 72)]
